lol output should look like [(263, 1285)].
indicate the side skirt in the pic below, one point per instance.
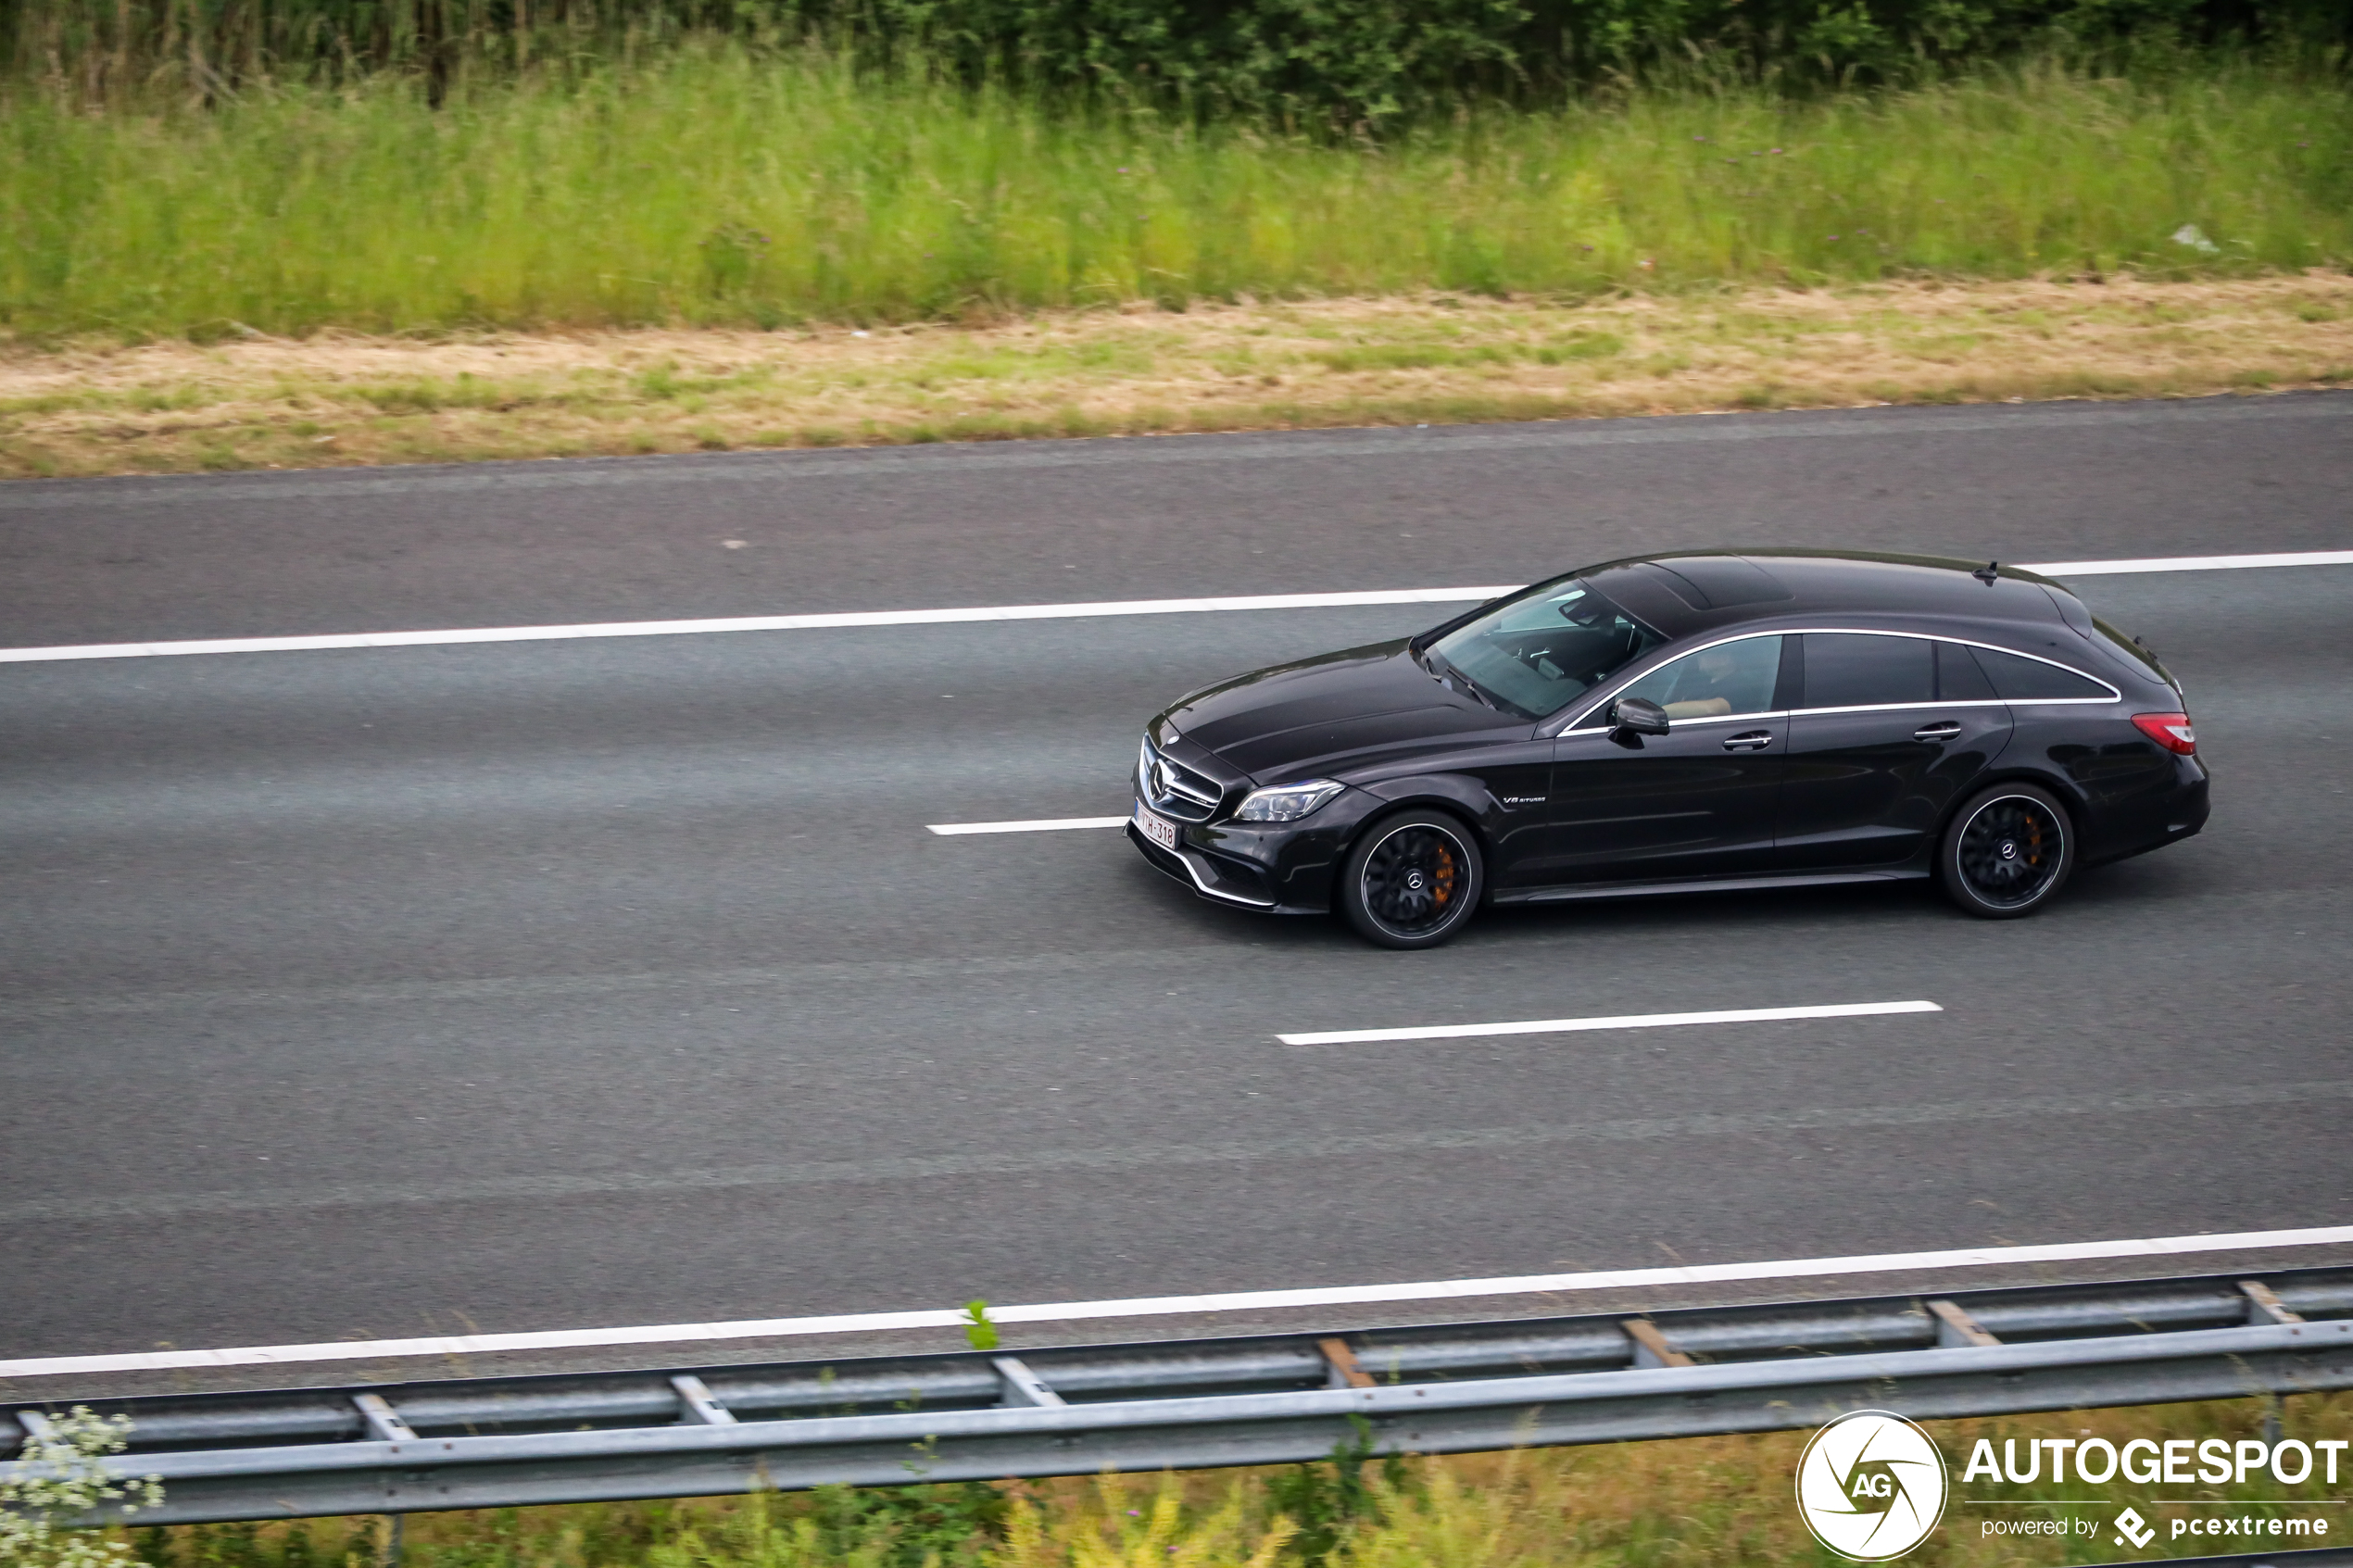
[(1710, 885)]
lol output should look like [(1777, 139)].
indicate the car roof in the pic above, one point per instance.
[(1687, 593)]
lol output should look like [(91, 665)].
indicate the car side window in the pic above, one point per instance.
[(1715, 682), (1850, 670), (2020, 679), (1958, 679)]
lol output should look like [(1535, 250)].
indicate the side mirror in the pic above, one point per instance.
[(1637, 716)]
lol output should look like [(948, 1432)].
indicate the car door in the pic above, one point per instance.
[(1698, 801), (1887, 731)]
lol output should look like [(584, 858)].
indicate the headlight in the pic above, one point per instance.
[(1285, 803)]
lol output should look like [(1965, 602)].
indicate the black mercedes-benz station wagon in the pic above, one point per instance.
[(1677, 723)]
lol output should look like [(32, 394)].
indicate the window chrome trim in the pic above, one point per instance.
[(1908, 707), (2114, 694)]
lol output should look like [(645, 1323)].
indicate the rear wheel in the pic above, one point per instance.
[(1413, 880), (2006, 852)]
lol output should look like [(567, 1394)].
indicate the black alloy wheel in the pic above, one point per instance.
[(2006, 852), (1411, 880)]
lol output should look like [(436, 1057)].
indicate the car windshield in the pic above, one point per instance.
[(1543, 650)]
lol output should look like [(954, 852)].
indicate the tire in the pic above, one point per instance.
[(2007, 852), (1413, 880)]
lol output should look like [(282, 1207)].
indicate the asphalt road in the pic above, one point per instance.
[(358, 993)]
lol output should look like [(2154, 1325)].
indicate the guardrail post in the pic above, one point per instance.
[(1651, 1349), (2263, 1304), (384, 1424), (1955, 1326), (700, 1407), (1346, 1372), (1022, 1385)]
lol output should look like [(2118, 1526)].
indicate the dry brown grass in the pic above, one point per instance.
[(327, 401)]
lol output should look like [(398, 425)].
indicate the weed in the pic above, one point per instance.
[(1408, 356), (779, 187), (1327, 1501), (1581, 346)]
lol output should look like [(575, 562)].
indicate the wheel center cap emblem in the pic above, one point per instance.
[(2009, 850), (1413, 881)]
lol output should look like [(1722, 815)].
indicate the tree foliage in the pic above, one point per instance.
[(1348, 63)]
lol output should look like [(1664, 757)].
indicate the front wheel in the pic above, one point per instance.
[(1413, 880), (2006, 852)]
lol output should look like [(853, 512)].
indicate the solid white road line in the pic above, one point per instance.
[(757, 623), (997, 612), (1578, 1025), (1044, 824), (1224, 1302), (2189, 563)]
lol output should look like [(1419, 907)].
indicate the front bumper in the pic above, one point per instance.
[(1275, 868)]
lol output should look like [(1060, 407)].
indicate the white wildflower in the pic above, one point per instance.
[(59, 1477)]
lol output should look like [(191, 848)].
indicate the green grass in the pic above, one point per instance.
[(717, 186)]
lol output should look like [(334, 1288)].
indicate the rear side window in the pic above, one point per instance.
[(2019, 679), (1958, 677), (1848, 670)]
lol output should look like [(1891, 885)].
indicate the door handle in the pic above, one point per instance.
[(1945, 730), (1751, 740)]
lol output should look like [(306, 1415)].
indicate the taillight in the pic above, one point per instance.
[(2171, 731)]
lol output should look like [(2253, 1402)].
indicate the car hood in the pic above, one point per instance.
[(1329, 714)]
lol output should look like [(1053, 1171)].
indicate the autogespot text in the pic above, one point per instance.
[(2147, 1462)]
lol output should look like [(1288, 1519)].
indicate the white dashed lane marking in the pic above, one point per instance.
[(1043, 824), (1580, 1025)]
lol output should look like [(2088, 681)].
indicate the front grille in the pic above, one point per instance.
[(1174, 790)]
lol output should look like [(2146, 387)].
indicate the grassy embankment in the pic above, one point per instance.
[(1418, 360), (676, 256), (1721, 1502)]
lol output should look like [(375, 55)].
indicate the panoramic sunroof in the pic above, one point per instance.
[(1720, 582)]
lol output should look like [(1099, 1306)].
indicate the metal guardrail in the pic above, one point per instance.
[(2315, 1556), (474, 1443)]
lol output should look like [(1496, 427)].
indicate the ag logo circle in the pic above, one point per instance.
[(1871, 1486)]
